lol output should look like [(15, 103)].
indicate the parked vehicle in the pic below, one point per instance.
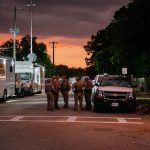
[(31, 77), (7, 77), (113, 91), (24, 83), (24, 74), (19, 90), (39, 79)]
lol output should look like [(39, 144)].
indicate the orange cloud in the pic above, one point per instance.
[(70, 55), (4, 37), (68, 51)]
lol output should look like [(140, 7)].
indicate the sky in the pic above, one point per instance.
[(68, 22)]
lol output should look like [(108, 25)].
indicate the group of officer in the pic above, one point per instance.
[(80, 88)]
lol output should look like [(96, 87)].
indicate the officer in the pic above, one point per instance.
[(49, 87), (65, 88), (78, 93), (56, 93), (87, 92)]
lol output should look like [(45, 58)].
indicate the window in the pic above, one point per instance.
[(115, 82), (25, 76), (10, 68), (2, 71)]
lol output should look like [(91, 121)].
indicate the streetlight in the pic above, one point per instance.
[(14, 31), (31, 5)]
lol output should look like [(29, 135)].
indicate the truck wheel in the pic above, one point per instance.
[(132, 108), (96, 108), (22, 93), (4, 96), (18, 92)]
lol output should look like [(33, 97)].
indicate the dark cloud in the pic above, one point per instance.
[(68, 18)]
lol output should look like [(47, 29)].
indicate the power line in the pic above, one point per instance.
[(53, 48)]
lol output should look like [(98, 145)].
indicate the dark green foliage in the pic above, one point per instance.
[(124, 42), (23, 49), (62, 70)]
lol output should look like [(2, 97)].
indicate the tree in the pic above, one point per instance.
[(99, 48), (7, 48), (62, 70), (125, 41), (131, 36), (97, 43), (23, 49), (91, 72)]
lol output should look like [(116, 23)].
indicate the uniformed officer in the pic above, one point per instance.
[(87, 92), (65, 88), (49, 87), (57, 89), (78, 93)]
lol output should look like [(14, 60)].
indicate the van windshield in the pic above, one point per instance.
[(25, 76)]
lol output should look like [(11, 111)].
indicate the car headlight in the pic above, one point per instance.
[(130, 95), (26, 85), (100, 93)]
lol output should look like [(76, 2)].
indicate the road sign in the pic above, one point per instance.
[(124, 71)]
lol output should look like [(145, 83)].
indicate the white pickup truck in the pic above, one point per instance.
[(113, 92)]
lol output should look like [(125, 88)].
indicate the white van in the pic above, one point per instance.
[(7, 77), (31, 75), (39, 78)]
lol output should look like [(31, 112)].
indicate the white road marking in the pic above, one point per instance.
[(74, 119), (11, 101), (17, 118), (71, 119), (122, 120), (29, 100)]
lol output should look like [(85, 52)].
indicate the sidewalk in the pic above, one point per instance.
[(143, 94), (143, 98)]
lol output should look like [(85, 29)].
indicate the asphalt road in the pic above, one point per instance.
[(25, 124)]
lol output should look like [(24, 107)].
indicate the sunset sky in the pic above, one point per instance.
[(69, 22)]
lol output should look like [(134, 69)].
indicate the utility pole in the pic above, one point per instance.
[(14, 31), (53, 48), (31, 5)]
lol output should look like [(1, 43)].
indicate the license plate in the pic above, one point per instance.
[(114, 104)]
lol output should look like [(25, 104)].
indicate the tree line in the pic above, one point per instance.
[(124, 43)]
